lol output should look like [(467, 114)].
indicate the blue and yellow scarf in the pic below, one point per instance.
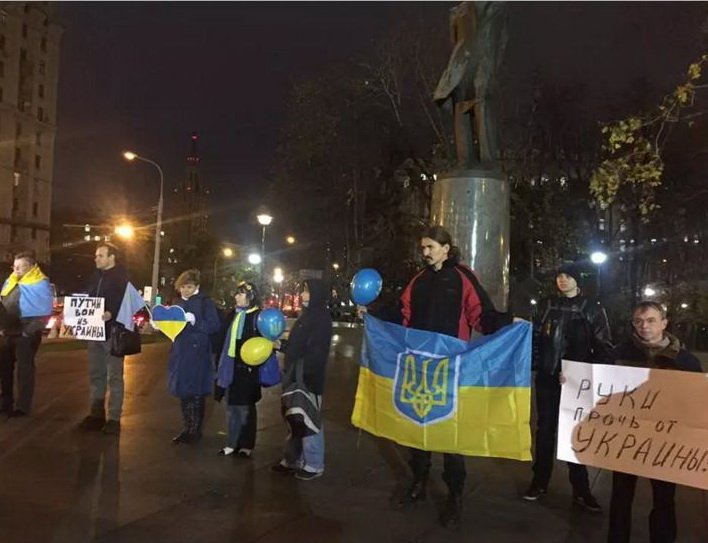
[(36, 297)]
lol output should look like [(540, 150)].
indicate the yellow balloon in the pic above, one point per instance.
[(256, 350)]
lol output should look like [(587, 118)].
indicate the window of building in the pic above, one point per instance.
[(34, 233), (40, 90), (18, 131), (2, 69), (38, 138), (15, 205), (2, 97), (23, 54), (18, 156), (2, 41), (40, 113), (42, 67), (24, 31), (43, 45), (35, 209), (37, 161)]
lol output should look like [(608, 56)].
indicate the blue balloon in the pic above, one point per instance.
[(366, 286), (271, 323)]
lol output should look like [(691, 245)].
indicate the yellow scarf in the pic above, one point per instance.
[(32, 277), (237, 329)]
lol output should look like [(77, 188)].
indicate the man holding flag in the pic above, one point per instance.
[(122, 301), (447, 298), (27, 304)]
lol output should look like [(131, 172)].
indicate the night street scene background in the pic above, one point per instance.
[(300, 140)]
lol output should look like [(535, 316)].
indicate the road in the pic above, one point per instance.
[(58, 485)]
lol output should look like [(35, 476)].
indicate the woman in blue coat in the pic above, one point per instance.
[(190, 374)]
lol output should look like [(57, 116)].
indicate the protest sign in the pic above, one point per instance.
[(648, 422), (83, 315)]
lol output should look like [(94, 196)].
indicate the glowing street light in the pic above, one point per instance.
[(648, 291), (254, 259), (290, 240), (598, 257), (335, 266), (278, 276), (125, 231), (131, 157), (228, 252), (684, 305)]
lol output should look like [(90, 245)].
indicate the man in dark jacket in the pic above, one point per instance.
[(105, 370), (308, 344), (445, 297), (26, 306), (650, 346), (572, 327)]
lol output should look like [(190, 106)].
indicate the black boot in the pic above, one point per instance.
[(183, 436), (452, 512), (198, 418), (95, 421), (416, 493)]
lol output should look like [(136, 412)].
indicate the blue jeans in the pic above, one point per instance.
[(307, 452), (236, 417)]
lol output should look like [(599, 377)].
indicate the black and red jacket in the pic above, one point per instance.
[(450, 301)]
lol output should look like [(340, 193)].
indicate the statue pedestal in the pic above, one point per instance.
[(473, 205)]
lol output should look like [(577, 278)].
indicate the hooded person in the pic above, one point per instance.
[(308, 347), (237, 382), (570, 326)]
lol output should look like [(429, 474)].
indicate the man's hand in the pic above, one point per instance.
[(561, 378), (107, 315)]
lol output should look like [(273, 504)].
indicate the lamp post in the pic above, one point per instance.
[(599, 258), (130, 156), (264, 219)]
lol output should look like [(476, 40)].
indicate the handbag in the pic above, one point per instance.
[(300, 407), (124, 342), (270, 372)]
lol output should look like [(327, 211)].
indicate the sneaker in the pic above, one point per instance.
[(280, 468), (112, 427), (244, 453), (227, 451), (587, 502), (534, 493), (305, 475), (92, 424)]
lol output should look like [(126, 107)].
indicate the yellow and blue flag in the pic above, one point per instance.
[(439, 393)]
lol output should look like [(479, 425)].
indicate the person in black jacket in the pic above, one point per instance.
[(650, 346), (572, 327), (238, 382), (105, 370), (308, 344)]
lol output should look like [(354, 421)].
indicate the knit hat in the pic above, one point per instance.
[(571, 269)]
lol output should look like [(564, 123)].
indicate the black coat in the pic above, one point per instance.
[(673, 357), (110, 285), (245, 389), (310, 340), (571, 328)]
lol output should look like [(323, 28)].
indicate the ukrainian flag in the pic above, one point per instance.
[(438, 393)]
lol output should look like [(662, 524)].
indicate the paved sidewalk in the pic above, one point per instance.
[(61, 486)]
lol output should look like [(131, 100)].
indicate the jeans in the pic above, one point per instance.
[(548, 393), (662, 519), (106, 372), (236, 419), (306, 453), (18, 352)]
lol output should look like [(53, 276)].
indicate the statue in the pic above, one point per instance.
[(478, 32)]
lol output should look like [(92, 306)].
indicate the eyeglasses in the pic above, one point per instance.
[(650, 321)]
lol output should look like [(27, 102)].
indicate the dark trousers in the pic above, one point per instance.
[(18, 351), (247, 437), (192, 415), (453, 469), (662, 519), (548, 393)]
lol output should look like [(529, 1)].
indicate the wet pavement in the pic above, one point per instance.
[(58, 485)]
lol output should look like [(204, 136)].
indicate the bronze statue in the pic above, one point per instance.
[(478, 31)]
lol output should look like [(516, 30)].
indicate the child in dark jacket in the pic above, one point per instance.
[(190, 373), (308, 344), (236, 381)]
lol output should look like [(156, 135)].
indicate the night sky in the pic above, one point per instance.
[(144, 75)]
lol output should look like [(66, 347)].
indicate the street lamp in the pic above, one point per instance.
[(130, 157), (290, 240), (254, 259), (264, 220), (598, 258), (335, 266), (125, 231)]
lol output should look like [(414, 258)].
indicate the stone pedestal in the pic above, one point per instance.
[(473, 205)]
